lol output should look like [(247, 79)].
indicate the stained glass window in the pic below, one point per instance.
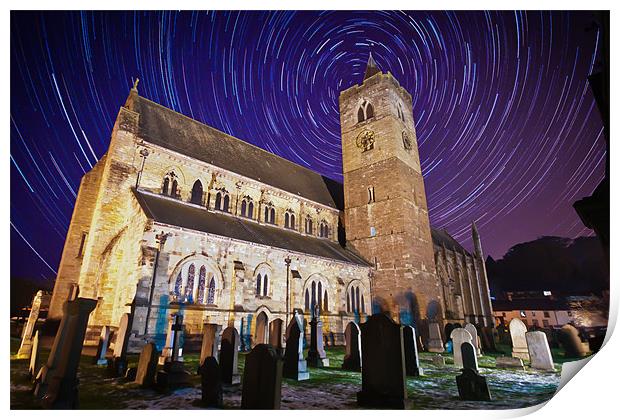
[(177, 286), (265, 285), (201, 284), (211, 295), (189, 287)]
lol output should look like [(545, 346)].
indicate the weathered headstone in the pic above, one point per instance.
[(118, 365), (147, 365), (383, 364), (262, 379), (353, 356), (316, 353), (468, 352), (459, 336), (228, 356), (275, 335), (102, 346), (517, 334), (509, 362), (40, 301), (473, 331), (472, 386), (211, 383), (540, 354), (174, 373), (34, 357), (210, 342), (412, 361), (438, 361), (58, 378), (295, 367), (570, 341), (435, 343), (173, 351)]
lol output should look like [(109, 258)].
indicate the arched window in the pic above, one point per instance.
[(324, 230), (218, 200), (211, 294), (258, 284), (286, 218), (308, 225), (272, 215), (313, 301), (189, 286), (178, 283), (222, 201), (357, 299), (348, 302), (197, 192), (226, 203), (370, 112), (247, 207), (164, 189), (401, 114), (319, 295), (265, 285), (289, 220), (292, 221), (307, 301), (365, 112), (363, 309), (243, 208), (175, 187), (326, 302), (201, 284), (251, 210)]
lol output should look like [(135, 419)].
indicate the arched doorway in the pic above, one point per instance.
[(260, 335)]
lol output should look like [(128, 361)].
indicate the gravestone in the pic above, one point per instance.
[(471, 385), (517, 334), (412, 361), (540, 354), (58, 382), (438, 361), (275, 335), (211, 383), (468, 352), (228, 356), (509, 362), (262, 379), (173, 351), (118, 365), (34, 357), (570, 341), (295, 367), (210, 342), (316, 352), (147, 365), (174, 373), (383, 364), (353, 356), (102, 347), (435, 343), (40, 301), (459, 336), (471, 329)]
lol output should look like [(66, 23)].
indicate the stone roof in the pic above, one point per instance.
[(371, 67), (177, 213), (441, 237), (171, 130)]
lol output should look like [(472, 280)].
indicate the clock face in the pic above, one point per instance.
[(365, 140), (406, 141)]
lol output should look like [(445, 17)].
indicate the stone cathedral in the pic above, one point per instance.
[(178, 217)]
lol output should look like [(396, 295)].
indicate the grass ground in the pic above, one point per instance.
[(327, 388)]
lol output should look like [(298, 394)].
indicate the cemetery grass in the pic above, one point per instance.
[(327, 388)]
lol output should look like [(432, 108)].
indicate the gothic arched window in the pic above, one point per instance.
[(265, 285), (201, 284), (365, 112), (250, 209), (258, 284), (289, 220), (370, 112), (307, 301), (326, 302), (218, 200), (313, 301), (189, 286), (166, 185), (348, 302), (175, 187), (286, 219), (272, 215), (197, 192), (360, 115), (211, 294), (363, 309), (319, 295), (357, 299), (308, 225), (324, 230), (178, 283), (226, 204)]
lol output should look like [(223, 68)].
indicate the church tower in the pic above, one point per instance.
[(386, 215)]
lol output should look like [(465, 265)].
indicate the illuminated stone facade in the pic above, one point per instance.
[(178, 216)]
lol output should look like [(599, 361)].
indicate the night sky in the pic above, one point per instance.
[(508, 130)]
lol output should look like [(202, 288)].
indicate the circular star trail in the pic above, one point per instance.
[(508, 130)]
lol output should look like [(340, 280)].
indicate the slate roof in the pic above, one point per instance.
[(167, 128), (177, 213), (442, 237)]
